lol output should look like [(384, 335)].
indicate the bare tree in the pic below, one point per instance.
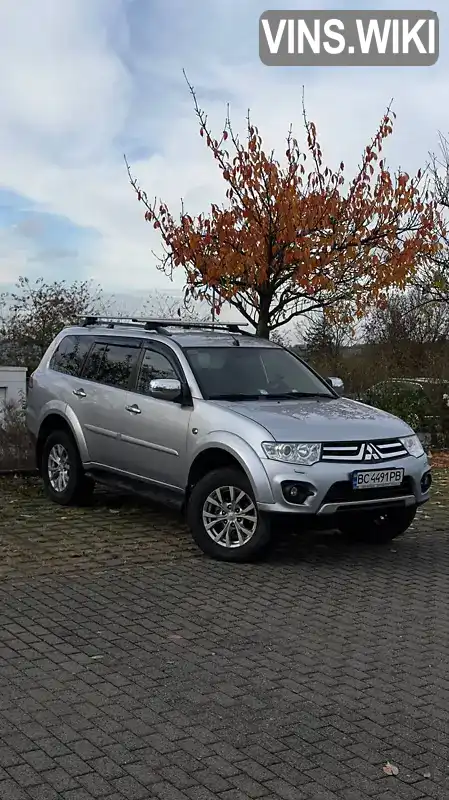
[(164, 306), (281, 337), (409, 335), (432, 278), (408, 317), (325, 337), (36, 311)]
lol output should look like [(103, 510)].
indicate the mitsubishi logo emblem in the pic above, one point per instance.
[(371, 453)]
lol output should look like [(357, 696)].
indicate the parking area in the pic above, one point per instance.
[(131, 666)]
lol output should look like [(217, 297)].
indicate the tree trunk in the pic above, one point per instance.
[(263, 323)]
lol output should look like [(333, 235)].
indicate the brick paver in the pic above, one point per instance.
[(133, 667)]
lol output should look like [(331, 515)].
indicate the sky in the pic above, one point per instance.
[(87, 81)]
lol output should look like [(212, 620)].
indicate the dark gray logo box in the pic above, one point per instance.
[(296, 50)]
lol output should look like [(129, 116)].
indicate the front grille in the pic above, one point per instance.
[(371, 452), (343, 492)]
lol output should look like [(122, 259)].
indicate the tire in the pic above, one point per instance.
[(77, 489), (380, 528), (254, 530)]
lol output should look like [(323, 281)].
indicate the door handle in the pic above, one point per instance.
[(133, 409), (79, 393)]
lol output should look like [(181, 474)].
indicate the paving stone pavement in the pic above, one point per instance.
[(133, 667)]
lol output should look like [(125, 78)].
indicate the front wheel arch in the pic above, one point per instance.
[(230, 449), (207, 461)]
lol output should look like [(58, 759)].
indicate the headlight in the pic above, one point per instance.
[(306, 453), (413, 445)]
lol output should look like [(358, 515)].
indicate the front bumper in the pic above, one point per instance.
[(330, 487)]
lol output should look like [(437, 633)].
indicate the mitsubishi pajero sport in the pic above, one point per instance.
[(236, 431)]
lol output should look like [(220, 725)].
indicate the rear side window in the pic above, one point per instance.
[(111, 364), (70, 354)]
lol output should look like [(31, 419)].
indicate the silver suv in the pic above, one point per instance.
[(236, 431)]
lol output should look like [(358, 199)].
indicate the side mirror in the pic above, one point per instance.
[(336, 384), (165, 389)]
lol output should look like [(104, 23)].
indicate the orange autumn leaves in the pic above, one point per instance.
[(299, 235)]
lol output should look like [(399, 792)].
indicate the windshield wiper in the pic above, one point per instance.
[(296, 395), (263, 396), (237, 396)]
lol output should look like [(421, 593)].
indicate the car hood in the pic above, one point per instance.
[(320, 419)]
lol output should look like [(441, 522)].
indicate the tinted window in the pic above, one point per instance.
[(399, 386), (252, 371), (111, 364), (154, 366), (93, 363), (407, 385), (70, 354)]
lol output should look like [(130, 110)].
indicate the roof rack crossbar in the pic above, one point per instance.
[(179, 323), (161, 325), (108, 322)]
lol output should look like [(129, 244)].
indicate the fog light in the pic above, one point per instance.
[(426, 482), (296, 492)]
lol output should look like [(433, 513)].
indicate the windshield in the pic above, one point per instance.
[(242, 373)]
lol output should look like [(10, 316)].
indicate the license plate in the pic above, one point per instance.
[(373, 478)]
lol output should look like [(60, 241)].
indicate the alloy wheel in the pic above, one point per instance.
[(58, 466), (230, 516)]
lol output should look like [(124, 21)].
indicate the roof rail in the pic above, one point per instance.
[(161, 325)]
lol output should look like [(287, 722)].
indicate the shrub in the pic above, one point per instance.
[(424, 408), (408, 403), (16, 450)]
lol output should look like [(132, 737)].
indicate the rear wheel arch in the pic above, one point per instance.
[(60, 465)]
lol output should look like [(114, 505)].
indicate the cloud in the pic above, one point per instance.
[(89, 80)]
